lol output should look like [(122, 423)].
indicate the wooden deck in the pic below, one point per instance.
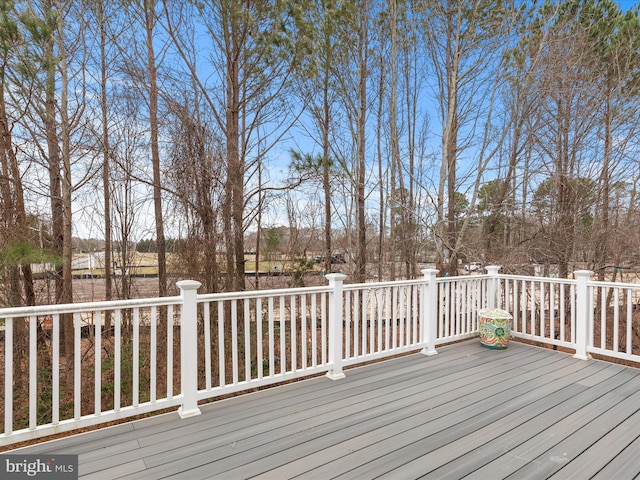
[(524, 412)]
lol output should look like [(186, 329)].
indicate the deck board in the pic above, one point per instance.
[(524, 412), (560, 455), (308, 420), (596, 457), (624, 465), (415, 452), (392, 415), (488, 457)]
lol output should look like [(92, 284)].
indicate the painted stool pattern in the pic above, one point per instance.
[(495, 328)]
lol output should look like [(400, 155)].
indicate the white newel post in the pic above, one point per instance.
[(188, 348), (335, 325), (494, 286), (582, 313), (429, 312)]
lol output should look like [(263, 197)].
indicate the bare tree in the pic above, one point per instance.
[(566, 127), (149, 12), (102, 21), (128, 199), (318, 76), (254, 49), (353, 67), (196, 160), (466, 40), (54, 60), (13, 217), (614, 37)]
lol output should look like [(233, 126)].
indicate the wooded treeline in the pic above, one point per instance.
[(391, 132)]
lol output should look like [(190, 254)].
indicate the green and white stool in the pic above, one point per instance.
[(495, 328)]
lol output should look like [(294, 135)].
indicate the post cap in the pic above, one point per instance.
[(335, 276), (188, 284)]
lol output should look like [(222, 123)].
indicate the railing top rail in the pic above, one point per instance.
[(208, 297), (570, 281), (599, 283), (395, 283), (463, 278), (531, 278), (84, 306)]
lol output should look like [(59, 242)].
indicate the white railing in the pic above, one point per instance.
[(614, 321), (458, 301), (588, 317), (137, 356), (382, 319), (252, 339), (543, 309), (65, 393)]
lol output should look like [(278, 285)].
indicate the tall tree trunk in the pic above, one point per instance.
[(363, 59), (450, 147), (602, 244), (259, 227), (412, 116), (149, 8), (232, 208), (396, 223), (450, 141), (565, 226), (106, 159), (67, 184), (15, 213), (326, 167), (58, 227), (13, 219), (381, 212), (234, 201)]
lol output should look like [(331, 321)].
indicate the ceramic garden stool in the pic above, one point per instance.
[(495, 328)]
